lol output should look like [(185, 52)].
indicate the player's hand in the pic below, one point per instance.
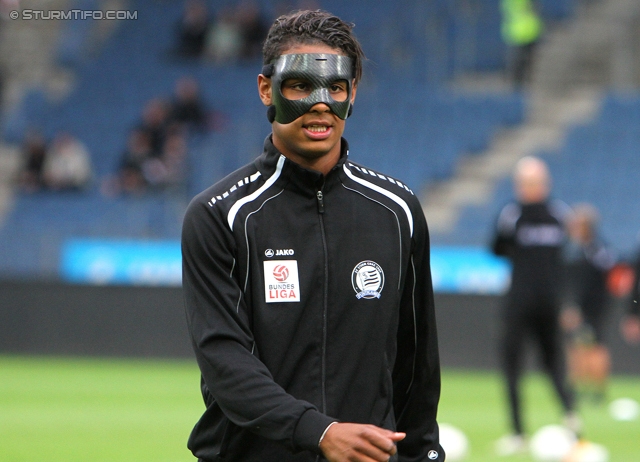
[(349, 442)]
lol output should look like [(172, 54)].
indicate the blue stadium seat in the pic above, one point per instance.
[(599, 164), (405, 123)]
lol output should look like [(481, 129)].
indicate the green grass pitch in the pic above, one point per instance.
[(72, 409)]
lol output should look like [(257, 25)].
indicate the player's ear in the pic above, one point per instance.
[(264, 90), (354, 89)]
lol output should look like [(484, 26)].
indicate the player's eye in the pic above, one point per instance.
[(339, 90), (295, 89)]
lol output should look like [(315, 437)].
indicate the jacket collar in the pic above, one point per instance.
[(294, 174)]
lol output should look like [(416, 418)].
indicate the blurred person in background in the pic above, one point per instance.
[(521, 29), (316, 338), (193, 29), (67, 166), (155, 122), (531, 233), (167, 170), (34, 152), (237, 33), (187, 106), (224, 39), (630, 326), (155, 155), (129, 178), (253, 28), (588, 262), (189, 110), (142, 171)]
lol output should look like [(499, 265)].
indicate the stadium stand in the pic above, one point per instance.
[(598, 164), (407, 121)]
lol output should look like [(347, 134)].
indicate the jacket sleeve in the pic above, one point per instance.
[(218, 322), (416, 373), (503, 243)]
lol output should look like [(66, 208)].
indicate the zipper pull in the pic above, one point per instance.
[(320, 197)]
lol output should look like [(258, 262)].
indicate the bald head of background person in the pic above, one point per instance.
[(532, 180)]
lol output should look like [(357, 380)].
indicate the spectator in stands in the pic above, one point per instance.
[(252, 27), (187, 107), (588, 261), (34, 151), (630, 327), (531, 232), (522, 29), (225, 40), (189, 111), (155, 156), (67, 165), (141, 170), (155, 122), (193, 28), (130, 178), (167, 169), (237, 33), (173, 161)]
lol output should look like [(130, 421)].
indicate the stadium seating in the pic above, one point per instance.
[(597, 164), (406, 121)]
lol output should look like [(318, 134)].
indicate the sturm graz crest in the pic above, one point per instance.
[(367, 279)]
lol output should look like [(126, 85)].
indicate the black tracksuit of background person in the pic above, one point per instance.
[(630, 325), (586, 280), (532, 236)]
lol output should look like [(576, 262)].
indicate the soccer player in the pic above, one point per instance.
[(307, 282), (531, 232), (588, 261), (630, 326)]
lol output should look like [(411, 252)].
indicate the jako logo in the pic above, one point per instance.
[(433, 455), (278, 253), (280, 273)]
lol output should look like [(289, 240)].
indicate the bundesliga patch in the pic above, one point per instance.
[(281, 282), (367, 279)]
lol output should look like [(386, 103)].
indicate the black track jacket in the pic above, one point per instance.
[(532, 236), (309, 301)]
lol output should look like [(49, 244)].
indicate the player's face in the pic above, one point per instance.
[(313, 139)]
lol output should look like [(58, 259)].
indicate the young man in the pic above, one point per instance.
[(307, 282), (531, 232), (630, 325), (588, 261)]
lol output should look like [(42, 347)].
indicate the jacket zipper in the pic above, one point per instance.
[(325, 297), (320, 197)]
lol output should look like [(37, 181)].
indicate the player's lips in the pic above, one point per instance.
[(317, 130)]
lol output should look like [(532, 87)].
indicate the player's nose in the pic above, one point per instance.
[(320, 108)]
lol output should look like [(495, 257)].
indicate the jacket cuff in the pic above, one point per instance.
[(310, 428)]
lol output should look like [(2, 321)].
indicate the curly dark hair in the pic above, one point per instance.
[(313, 27)]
